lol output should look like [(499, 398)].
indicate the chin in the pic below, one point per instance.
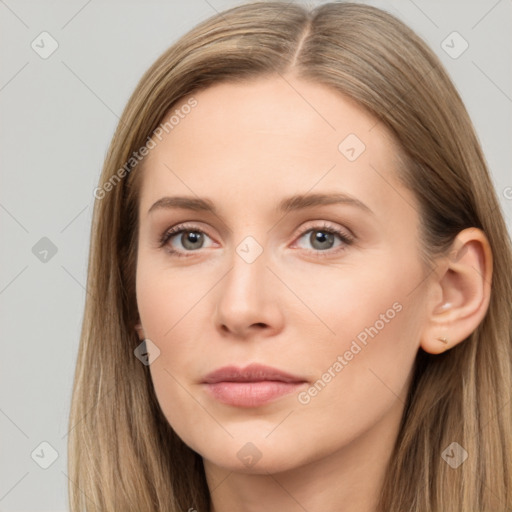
[(264, 466), (258, 458)]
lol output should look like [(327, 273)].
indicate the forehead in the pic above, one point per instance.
[(257, 139), (275, 109)]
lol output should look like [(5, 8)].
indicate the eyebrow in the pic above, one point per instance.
[(293, 203)]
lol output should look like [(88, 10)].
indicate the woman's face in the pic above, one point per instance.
[(329, 290)]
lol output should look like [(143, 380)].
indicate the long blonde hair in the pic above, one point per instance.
[(123, 454)]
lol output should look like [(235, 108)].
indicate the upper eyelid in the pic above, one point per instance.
[(191, 226)]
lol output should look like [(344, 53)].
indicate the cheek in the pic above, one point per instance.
[(363, 373), (371, 325), (166, 296), (169, 302), (163, 313), (371, 302)]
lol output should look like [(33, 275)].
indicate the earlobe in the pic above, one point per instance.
[(462, 288)]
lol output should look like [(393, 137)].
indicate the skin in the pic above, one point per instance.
[(246, 147)]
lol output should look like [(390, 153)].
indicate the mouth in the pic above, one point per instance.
[(252, 386)]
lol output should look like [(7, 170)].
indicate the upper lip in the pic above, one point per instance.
[(252, 373)]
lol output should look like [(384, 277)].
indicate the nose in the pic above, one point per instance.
[(249, 300)]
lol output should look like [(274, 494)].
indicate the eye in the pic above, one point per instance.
[(323, 239), (191, 238)]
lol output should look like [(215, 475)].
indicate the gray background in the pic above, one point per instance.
[(57, 117)]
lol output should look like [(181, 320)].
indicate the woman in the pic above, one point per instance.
[(299, 281)]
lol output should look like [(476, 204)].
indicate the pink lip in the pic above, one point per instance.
[(251, 386)]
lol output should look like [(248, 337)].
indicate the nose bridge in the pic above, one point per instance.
[(247, 277), (245, 295)]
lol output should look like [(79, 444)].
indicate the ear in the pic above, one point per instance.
[(140, 331), (460, 292)]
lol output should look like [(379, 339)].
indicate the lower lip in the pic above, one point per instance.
[(251, 394)]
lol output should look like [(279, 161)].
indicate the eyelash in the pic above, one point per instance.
[(345, 238)]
